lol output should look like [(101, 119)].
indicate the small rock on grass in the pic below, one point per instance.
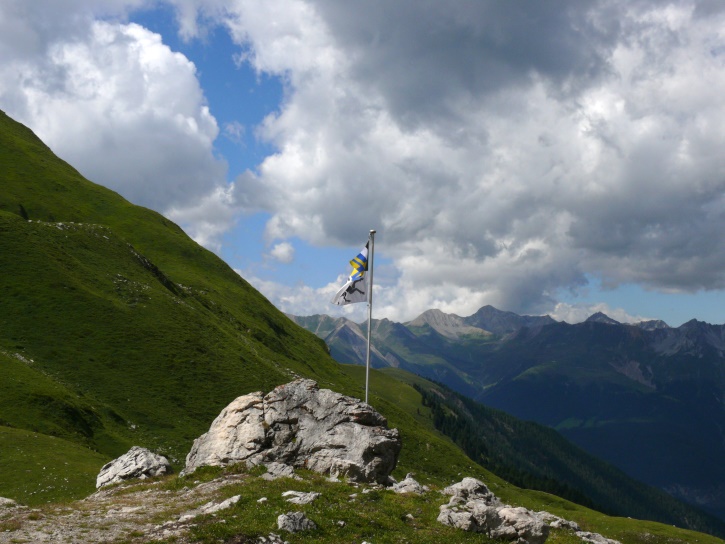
[(294, 522)]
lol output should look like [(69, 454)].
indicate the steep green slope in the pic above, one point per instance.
[(97, 317), (131, 332)]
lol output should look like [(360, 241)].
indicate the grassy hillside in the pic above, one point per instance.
[(127, 330), (116, 329)]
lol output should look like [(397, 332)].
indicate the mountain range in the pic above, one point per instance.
[(117, 329), (646, 397)]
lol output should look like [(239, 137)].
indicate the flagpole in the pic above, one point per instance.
[(370, 310)]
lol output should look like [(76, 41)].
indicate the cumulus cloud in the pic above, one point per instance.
[(576, 313), (208, 219), (302, 299), (283, 252), (502, 150)]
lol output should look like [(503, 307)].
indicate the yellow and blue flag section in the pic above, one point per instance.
[(356, 287), (360, 264)]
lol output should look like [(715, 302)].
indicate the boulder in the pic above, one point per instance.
[(558, 523), (409, 485), (303, 426), (521, 525), (236, 434), (595, 538), (471, 489), (473, 507), (294, 522), (136, 463)]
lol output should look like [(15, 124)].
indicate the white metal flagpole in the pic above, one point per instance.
[(370, 310)]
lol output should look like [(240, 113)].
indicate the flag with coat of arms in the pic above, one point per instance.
[(356, 287)]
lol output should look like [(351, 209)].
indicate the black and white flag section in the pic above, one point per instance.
[(356, 287)]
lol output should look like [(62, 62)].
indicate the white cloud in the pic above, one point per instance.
[(283, 252), (207, 220), (234, 131), (502, 150), (500, 157), (576, 313), (305, 300)]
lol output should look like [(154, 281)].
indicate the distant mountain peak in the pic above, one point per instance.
[(501, 322), (692, 323), (448, 325), (600, 317), (652, 324)]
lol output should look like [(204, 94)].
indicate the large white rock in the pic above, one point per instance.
[(303, 426), (521, 525), (136, 463), (236, 434)]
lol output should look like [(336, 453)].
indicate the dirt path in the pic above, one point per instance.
[(125, 513)]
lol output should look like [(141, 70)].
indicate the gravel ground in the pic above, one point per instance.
[(124, 513)]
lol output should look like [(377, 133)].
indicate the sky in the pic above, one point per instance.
[(553, 157)]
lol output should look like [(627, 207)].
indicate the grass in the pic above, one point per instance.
[(377, 516), (37, 469), (354, 513)]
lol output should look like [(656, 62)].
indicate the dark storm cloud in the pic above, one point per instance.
[(426, 57)]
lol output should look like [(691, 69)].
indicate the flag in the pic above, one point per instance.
[(356, 287)]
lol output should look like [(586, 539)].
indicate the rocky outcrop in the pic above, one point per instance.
[(136, 463), (520, 525), (472, 489), (278, 470), (473, 507), (557, 522), (301, 425)]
